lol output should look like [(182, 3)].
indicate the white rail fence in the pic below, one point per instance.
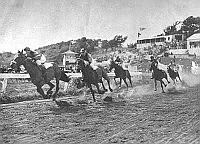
[(5, 76)]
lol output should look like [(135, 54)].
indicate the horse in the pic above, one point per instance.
[(173, 74), (37, 77), (158, 76), (94, 77), (120, 73)]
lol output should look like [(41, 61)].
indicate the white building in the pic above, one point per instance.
[(69, 58), (193, 44), (158, 40)]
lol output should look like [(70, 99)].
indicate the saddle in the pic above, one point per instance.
[(42, 68)]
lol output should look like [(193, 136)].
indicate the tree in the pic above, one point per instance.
[(170, 30), (117, 41), (105, 45), (190, 26)]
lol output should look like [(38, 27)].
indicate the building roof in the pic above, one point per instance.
[(194, 36), (69, 52)]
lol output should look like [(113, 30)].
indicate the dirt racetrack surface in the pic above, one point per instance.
[(133, 117)]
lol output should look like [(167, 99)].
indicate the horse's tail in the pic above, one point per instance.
[(64, 77)]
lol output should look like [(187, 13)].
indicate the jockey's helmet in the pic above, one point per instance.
[(27, 49)]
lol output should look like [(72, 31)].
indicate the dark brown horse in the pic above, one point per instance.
[(158, 76), (37, 77), (94, 77), (120, 73), (173, 74)]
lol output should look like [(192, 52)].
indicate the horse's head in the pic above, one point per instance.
[(18, 60), (80, 64), (112, 64)]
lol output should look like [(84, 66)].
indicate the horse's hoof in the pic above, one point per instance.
[(163, 91), (106, 90), (111, 90), (155, 90)]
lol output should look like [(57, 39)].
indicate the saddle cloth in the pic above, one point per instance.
[(47, 65)]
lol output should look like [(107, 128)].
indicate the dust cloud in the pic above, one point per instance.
[(190, 79)]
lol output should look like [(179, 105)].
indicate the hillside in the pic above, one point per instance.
[(6, 58), (52, 52)]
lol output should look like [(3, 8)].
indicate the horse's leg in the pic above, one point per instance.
[(161, 82), (49, 92), (108, 81), (120, 82), (57, 89), (167, 79), (103, 86), (92, 92), (40, 91), (174, 80), (130, 81), (155, 82), (115, 81), (164, 83), (124, 79), (99, 91), (128, 75), (179, 77)]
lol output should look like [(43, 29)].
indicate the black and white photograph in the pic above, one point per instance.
[(99, 72)]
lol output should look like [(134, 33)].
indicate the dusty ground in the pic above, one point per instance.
[(139, 115)]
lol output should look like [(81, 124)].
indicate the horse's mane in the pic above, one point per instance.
[(15, 56)]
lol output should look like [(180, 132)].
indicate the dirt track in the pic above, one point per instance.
[(138, 118)]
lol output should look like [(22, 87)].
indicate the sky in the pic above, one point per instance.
[(38, 23)]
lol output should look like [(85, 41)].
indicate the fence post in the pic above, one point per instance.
[(4, 85)]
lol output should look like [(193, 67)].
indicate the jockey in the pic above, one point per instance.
[(153, 62), (173, 66), (87, 58), (40, 59)]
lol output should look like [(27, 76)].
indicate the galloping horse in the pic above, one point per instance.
[(91, 76), (158, 76), (120, 73), (173, 74), (37, 77)]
